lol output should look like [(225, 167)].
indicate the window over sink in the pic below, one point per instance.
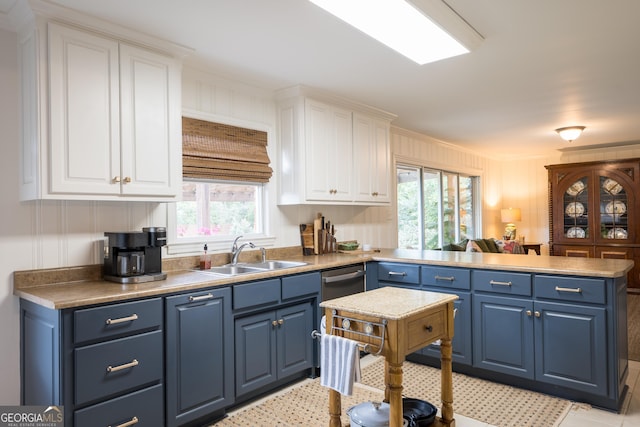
[(225, 170), (216, 212)]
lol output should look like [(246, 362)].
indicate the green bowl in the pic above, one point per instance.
[(348, 246)]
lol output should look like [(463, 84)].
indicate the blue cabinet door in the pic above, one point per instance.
[(571, 346), (461, 343), (294, 341), (256, 362), (503, 335), (199, 355)]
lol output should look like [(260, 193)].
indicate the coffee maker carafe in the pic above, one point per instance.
[(134, 257)]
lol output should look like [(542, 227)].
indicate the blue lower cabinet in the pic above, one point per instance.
[(199, 355), (117, 366), (142, 408), (273, 345), (103, 364), (407, 274), (570, 346), (503, 335), (461, 343)]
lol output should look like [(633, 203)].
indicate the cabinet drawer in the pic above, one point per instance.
[(145, 406), (425, 330), (400, 273), (444, 277), (105, 369), (576, 289), (256, 293), (118, 319), (299, 285), (501, 282)]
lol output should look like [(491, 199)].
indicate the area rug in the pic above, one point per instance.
[(307, 404), (486, 401)]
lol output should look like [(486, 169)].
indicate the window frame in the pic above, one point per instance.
[(441, 169), (176, 246)]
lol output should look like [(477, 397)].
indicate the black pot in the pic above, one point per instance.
[(420, 413)]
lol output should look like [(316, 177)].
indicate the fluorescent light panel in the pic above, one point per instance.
[(397, 24)]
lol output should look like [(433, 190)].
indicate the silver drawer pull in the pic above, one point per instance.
[(131, 422), (495, 282), (121, 319), (572, 290), (131, 364), (200, 297), (448, 279), (397, 273)]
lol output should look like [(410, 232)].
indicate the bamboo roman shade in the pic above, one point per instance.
[(217, 151)]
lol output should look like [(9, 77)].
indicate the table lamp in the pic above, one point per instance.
[(510, 216)]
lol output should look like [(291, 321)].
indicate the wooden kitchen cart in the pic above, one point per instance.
[(396, 322)]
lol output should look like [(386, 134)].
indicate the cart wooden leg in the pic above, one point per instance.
[(335, 408), (394, 388), (446, 383)]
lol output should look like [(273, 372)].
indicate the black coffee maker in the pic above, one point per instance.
[(134, 257)]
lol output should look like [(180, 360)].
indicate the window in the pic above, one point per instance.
[(225, 174), (219, 209), (435, 207)]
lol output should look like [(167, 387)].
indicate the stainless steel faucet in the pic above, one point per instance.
[(235, 249)]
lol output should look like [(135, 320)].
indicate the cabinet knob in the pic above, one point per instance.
[(528, 313), (537, 313), (274, 323), (374, 194), (115, 179), (280, 322), (429, 328), (127, 179)]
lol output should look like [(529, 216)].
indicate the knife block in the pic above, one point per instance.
[(326, 242)]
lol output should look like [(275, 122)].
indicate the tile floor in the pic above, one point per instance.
[(581, 415)]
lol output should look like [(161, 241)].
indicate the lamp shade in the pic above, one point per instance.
[(510, 215)]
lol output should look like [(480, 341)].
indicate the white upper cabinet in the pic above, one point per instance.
[(107, 118), (332, 151), (328, 131), (372, 159)]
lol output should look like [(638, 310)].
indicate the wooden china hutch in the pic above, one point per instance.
[(593, 212)]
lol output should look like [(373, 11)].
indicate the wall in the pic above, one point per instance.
[(15, 220)]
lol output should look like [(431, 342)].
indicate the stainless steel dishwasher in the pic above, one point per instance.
[(342, 281)]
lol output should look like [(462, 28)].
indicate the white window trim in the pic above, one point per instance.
[(194, 245)]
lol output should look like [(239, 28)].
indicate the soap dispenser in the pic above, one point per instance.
[(205, 260)]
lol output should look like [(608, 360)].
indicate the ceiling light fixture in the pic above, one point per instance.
[(401, 26), (570, 133)]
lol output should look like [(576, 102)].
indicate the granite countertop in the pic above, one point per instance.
[(60, 293), (588, 267), (389, 303), (62, 288)]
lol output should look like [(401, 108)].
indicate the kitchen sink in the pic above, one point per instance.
[(252, 267), (274, 264), (233, 270)]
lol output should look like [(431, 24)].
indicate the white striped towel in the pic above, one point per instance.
[(339, 363)]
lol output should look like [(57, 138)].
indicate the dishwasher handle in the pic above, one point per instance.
[(343, 277)]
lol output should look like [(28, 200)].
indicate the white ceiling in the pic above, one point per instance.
[(543, 64)]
